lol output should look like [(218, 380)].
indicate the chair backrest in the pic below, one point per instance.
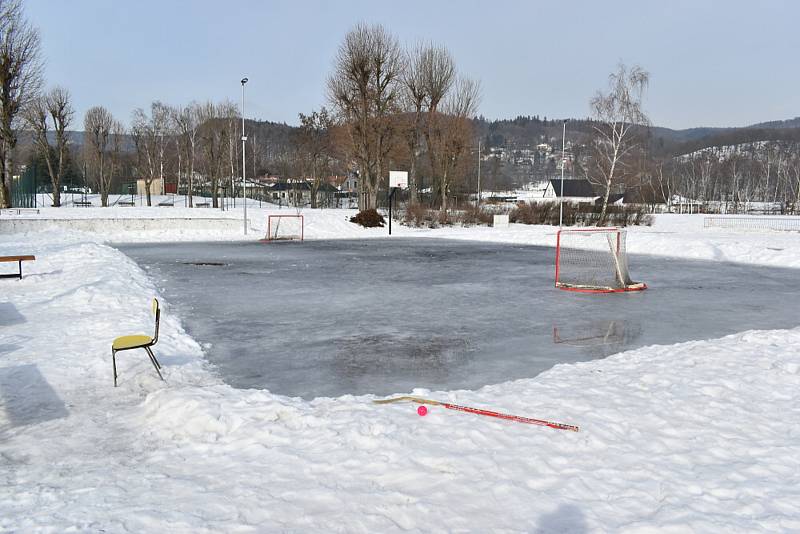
[(157, 313)]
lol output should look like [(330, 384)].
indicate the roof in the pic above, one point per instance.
[(573, 188)]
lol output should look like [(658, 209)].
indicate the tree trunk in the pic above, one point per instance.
[(314, 190), (190, 184), (602, 221), (214, 187), (412, 179), (147, 185), (5, 178)]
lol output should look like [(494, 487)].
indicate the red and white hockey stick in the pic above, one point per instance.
[(479, 411)]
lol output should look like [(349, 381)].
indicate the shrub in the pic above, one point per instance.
[(474, 215), (419, 216), (579, 214), (368, 219)]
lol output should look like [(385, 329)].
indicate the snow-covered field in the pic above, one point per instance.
[(701, 436)]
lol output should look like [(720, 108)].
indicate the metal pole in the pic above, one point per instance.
[(391, 196), (479, 173), (563, 161), (244, 182)]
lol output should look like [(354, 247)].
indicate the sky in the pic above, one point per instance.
[(712, 63)]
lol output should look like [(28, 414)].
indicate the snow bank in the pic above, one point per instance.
[(701, 436)]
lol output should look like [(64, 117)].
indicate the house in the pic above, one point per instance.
[(576, 190), (298, 193)]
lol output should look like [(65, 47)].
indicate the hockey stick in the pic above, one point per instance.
[(478, 411)]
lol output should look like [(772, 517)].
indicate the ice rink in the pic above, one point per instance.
[(381, 316)]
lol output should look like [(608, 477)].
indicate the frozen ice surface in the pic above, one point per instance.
[(327, 318)]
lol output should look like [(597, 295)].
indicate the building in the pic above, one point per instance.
[(155, 187), (578, 190), (298, 193)]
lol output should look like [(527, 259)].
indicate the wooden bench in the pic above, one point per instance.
[(126, 203), (202, 205), (19, 259), (166, 204), (81, 203)]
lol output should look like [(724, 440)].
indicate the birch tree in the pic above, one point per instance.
[(117, 134), (618, 114), (214, 134), (149, 136), (187, 125)]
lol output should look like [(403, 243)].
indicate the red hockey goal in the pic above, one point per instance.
[(593, 260)]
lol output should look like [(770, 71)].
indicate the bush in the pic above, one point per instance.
[(580, 214), (368, 219), (419, 216), (474, 215)]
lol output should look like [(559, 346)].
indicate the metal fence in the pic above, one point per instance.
[(784, 224)]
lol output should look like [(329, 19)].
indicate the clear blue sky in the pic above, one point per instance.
[(713, 63)]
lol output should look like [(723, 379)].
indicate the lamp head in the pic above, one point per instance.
[(244, 81)]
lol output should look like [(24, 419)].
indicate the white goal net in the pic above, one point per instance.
[(593, 260), (284, 227)]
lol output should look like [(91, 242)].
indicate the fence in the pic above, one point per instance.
[(785, 224)]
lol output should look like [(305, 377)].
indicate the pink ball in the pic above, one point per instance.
[(422, 410)]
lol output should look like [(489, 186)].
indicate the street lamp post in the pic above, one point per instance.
[(563, 164), (244, 182), (479, 173)]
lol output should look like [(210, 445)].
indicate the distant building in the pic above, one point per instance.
[(298, 193), (155, 187), (574, 190)]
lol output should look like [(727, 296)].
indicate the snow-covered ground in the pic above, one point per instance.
[(699, 436)]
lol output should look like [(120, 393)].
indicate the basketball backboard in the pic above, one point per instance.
[(398, 179)]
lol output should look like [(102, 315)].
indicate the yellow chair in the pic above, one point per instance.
[(138, 341)]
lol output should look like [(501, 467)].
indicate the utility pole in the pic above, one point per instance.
[(244, 166), (563, 164)]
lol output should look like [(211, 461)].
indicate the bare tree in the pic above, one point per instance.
[(364, 90), (53, 108), (415, 96), (618, 114), (438, 77), (117, 136), (97, 127), (315, 147), (149, 136), (450, 134), (187, 124), (20, 81), (214, 133)]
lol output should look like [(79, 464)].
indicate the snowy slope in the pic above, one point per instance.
[(701, 436)]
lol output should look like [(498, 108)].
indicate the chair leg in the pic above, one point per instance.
[(114, 364), (152, 357), (155, 362)]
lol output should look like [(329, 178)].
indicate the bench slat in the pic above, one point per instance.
[(17, 258)]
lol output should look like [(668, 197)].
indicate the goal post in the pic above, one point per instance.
[(284, 227), (593, 260)]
